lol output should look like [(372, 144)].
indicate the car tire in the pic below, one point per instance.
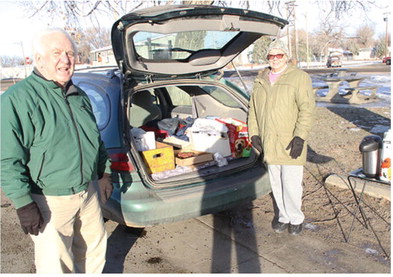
[(135, 231), (388, 62)]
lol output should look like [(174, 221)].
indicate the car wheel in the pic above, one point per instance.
[(388, 62), (137, 232)]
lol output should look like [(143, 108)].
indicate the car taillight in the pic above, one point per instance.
[(120, 162)]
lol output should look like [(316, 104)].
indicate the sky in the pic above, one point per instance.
[(17, 30)]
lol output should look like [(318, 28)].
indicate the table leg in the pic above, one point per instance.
[(360, 201), (358, 207), (354, 84), (333, 89)]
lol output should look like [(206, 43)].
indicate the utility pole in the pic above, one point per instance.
[(291, 17), (386, 19), (307, 43), (23, 56)]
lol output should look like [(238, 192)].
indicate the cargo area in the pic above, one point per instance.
[(188, 131)]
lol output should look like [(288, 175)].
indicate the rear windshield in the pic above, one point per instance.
[(180, 45)]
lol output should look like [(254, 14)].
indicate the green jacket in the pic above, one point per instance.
[(50, 143), (279, 112)]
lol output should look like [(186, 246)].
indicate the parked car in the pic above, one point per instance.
[(333, 61), (171, 56), (386, 60)]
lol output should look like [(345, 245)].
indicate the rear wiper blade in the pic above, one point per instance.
[(177, 49)]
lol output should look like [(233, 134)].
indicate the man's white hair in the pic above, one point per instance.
[(38, 43)]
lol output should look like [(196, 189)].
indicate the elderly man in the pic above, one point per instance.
[(51, 151), (280, 120)]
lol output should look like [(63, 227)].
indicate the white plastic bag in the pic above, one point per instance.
[(221, 161), (144, 140)]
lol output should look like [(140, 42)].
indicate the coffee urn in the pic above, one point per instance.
[(370, 147)]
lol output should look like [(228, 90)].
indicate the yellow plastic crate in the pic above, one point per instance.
[(160, 159)]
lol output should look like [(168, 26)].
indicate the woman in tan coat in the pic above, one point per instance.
[(279, 122)]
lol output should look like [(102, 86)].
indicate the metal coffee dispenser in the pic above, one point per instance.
[(370, 147)]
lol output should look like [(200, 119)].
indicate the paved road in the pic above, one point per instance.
[(6, 83), (370, 68)]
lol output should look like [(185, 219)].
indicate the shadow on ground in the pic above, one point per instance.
[(120, 243), (376, 124)]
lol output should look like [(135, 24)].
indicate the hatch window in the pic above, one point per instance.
[(156, 46)]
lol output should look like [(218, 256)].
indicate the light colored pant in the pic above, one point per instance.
[(73, 238), (286, 182)]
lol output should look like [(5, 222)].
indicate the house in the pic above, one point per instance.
[(365, 54)]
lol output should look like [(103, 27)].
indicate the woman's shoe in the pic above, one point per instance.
[(295, 229)]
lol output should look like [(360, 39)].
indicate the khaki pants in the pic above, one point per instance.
[(73, 238), (287, 188)]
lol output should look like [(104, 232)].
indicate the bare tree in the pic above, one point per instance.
[(259, 53), (72, 12), (340, 8), (92, 38), (365, 35), (380, 46)]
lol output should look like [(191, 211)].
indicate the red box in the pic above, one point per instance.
[(238, 136), (157, 132)]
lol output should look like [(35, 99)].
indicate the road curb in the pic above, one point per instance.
[(371, 188)]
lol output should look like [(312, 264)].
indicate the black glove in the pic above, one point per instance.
[(296, 146), (257, 143), (30, 218)]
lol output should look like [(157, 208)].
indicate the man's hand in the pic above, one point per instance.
[(257, 144), (296, 146), (106, 187), (30, 218)]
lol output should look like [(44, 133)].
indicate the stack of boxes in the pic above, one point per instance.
[(229, 139)]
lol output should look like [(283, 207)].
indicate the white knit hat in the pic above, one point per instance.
[(278, 44)]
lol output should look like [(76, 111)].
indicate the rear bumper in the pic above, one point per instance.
[(140, 209)]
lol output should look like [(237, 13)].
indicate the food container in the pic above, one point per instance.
[(195, 157), (238, 136), (160, 159), (211, 142), (209, 135), (386, 167)]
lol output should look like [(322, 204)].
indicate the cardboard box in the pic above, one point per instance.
[(160, 159), (176, 142), (199, 157), (210, 142), (238, 136)]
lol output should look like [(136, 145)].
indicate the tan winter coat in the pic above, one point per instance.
[(280, 112)]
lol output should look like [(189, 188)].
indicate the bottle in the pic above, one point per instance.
[(386, 155)]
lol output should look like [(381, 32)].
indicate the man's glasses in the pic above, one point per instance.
[(277, 56)]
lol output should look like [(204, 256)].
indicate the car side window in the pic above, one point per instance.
[(178, 96), (99, 102), (222, 96)]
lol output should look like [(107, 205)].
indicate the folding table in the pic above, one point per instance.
[(358, 174)]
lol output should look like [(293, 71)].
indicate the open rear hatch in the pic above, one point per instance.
[(185, 40), (169, 46)]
